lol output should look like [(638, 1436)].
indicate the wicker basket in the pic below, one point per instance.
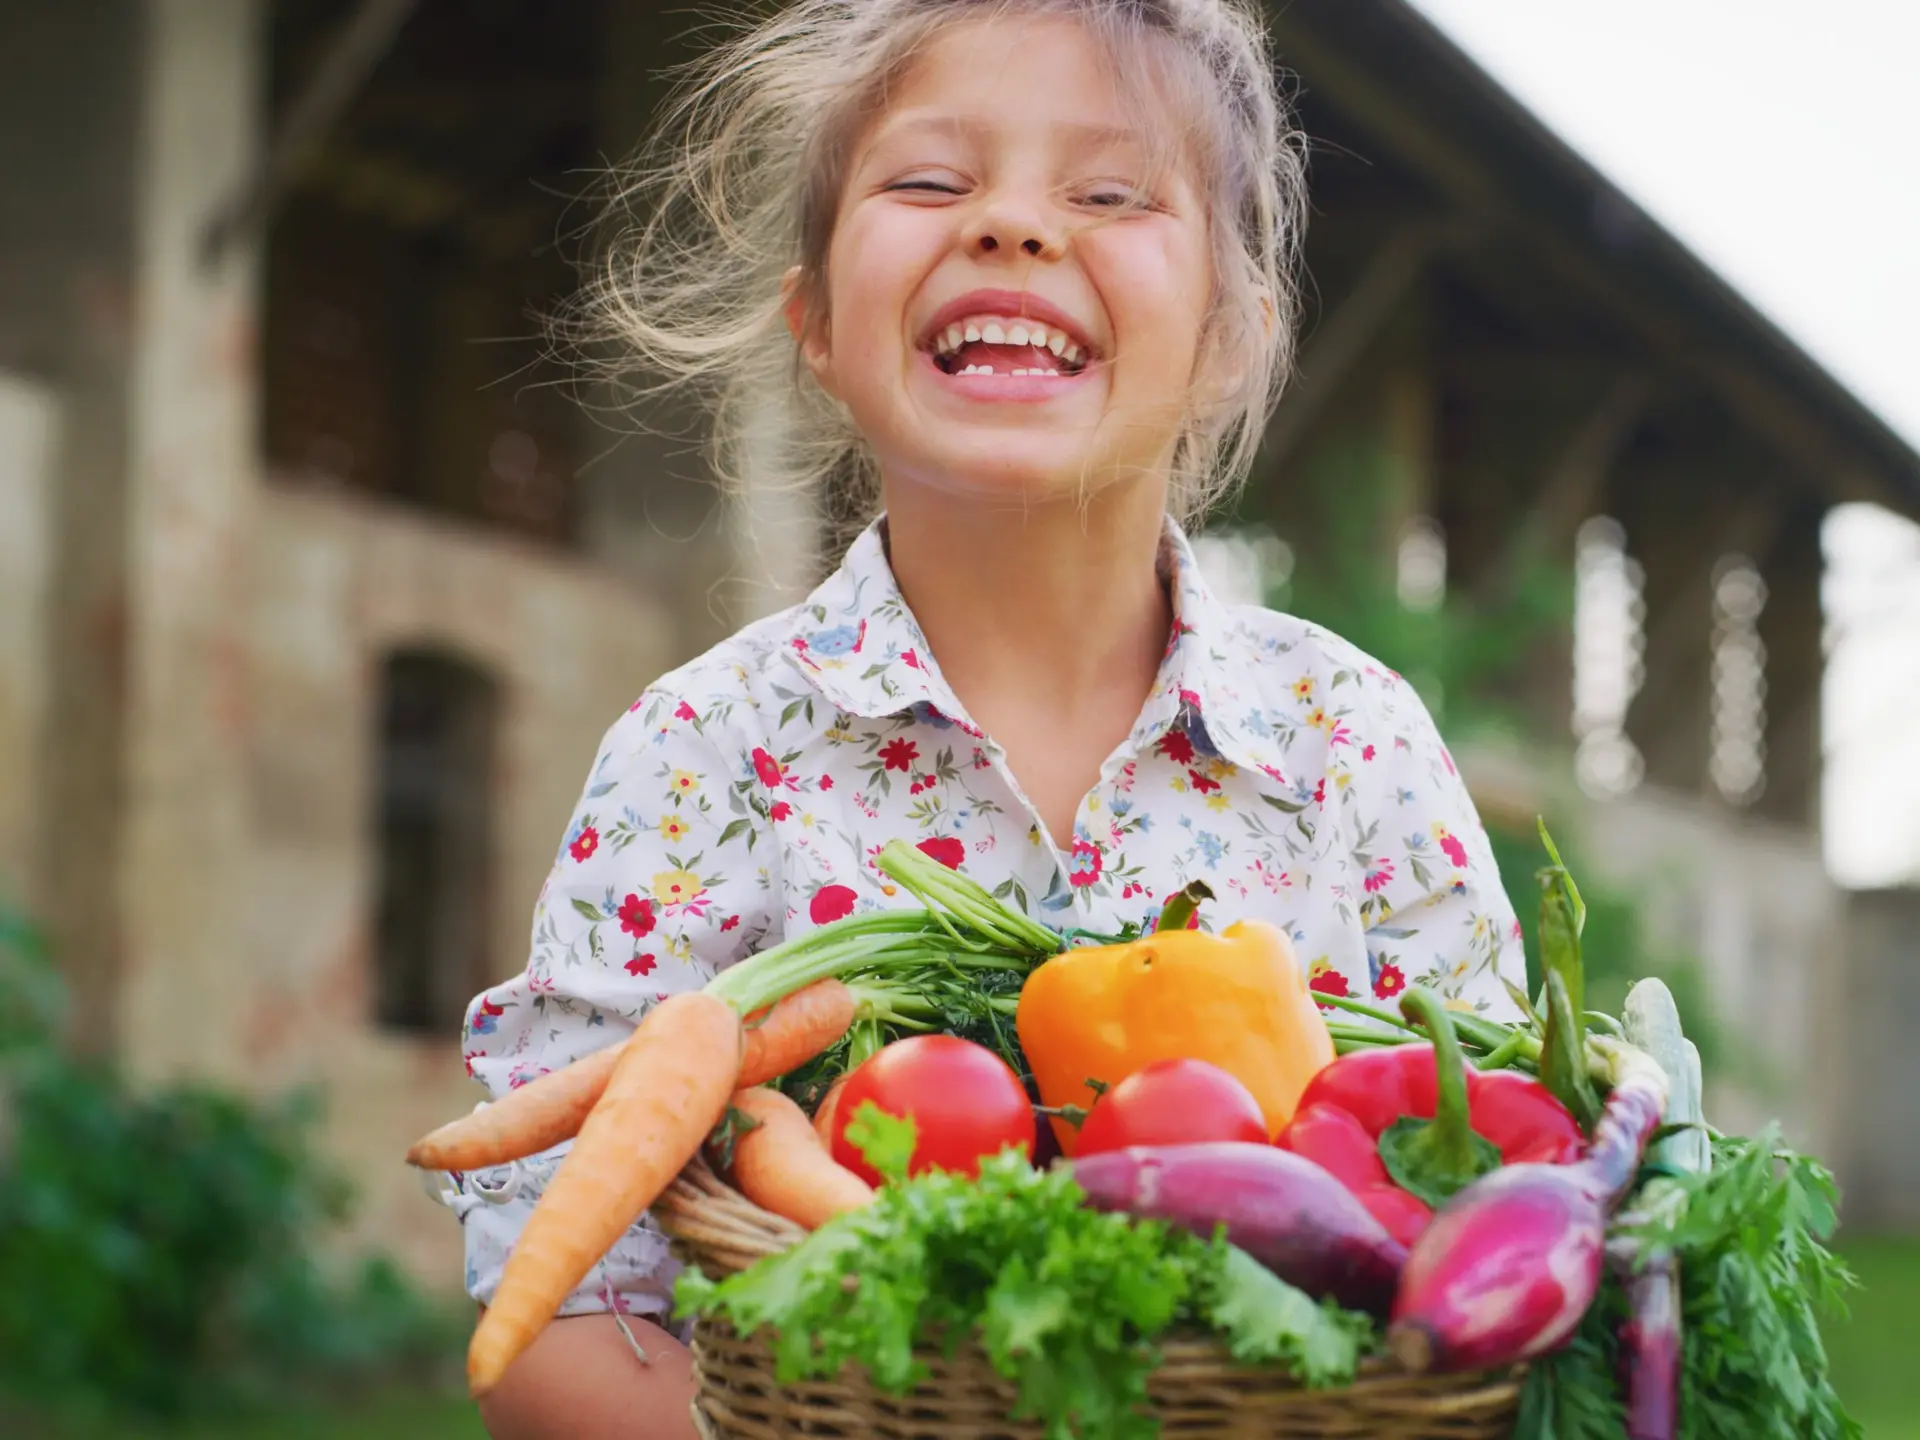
[(1196, 1392)]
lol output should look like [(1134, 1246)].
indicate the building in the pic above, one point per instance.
[(316, 591)]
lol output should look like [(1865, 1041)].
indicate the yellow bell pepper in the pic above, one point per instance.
[(1237, 1000)]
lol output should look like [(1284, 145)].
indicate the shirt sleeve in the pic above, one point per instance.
[(658, 883), (1436, 911)]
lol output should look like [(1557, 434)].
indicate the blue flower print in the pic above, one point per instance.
[(927, 714), (840, 640), (1211, 848)]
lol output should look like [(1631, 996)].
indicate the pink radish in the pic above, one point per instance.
[(1511, 1263), (1281, 1208)]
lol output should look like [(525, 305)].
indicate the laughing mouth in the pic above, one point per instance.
[(1007, 345)]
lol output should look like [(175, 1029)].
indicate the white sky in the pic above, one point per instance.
[(1780, 140)]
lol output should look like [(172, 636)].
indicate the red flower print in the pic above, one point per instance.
[(780, 810), (1367, 754), (861, 638), (729, 923), (1177, 746), (947, 849), (830, 903), (1273, 774), (767, 768), (1320, 792), (1327, 980), (641, 965), (899, 753), (1447, 756), (638, 701), (1087, 863), (1451, 847), (1190, 700), (1379, 877), (685, 712), (467, 1059), (585, 843), (636, 916), (826, 782), (1389, 982), (912, 660), (1201, 783)]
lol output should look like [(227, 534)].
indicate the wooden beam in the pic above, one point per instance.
[(1770, 410), (1574, 480), (342, 72), (1342, 339)]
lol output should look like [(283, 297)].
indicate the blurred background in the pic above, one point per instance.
[(318, 588)]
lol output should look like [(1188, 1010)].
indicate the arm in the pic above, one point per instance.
[(581, 1381), (658, 882), (1446, 922)]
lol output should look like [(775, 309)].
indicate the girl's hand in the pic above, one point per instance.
[(580, 1380)]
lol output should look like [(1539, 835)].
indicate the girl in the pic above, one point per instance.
[(1032, 260)]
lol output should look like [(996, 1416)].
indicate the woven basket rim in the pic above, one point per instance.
[(718, 1229)]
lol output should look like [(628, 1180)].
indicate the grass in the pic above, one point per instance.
[(1873, 1349)]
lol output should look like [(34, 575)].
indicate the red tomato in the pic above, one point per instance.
[(964, 1101), (1172, 1102)]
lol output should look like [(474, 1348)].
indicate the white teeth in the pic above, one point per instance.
[(1072, 355), (1017, 335), (1037, 336), (973, 332), (993, 334), (951, 340), (1056, 342)]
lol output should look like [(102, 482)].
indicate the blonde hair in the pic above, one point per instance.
[(744, 184)]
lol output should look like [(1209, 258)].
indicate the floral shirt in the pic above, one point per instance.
[(742, 800)]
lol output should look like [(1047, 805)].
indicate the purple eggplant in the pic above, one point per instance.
[(1510, 1264), (1279, 1207)]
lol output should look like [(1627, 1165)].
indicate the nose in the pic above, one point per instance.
[(1012, 226)]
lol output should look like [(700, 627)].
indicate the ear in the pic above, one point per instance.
[(811, 339)]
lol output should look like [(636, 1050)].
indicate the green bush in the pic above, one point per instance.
[(159, 1244)]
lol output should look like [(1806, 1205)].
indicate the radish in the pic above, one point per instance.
[(1279, 1207), (1510, 1264)]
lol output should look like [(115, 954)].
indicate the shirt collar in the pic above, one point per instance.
[(857, 642)]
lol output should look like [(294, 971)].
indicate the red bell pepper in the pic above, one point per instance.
[(1405, 1127)]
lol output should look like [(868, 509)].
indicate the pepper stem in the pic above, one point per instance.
[(1452, 1132), (1178, 912), (1433, 1159)]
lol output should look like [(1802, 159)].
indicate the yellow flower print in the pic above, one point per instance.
[(1303, 688), (1342, 780), (673, 829), (676, 887), (683, 782), (1319, 719), (1219, 803)]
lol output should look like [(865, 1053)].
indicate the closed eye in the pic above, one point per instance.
[(924, 187)]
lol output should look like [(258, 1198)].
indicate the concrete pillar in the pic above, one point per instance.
[(1872, 1065), (28, 425), (191, 490)]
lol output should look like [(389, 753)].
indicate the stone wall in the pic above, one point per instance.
[(338, 584)]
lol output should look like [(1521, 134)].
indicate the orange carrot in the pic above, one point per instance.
[(780, 1164), (795, 1030), (667, 1092), (543, 1112), (536, 1117), (829, 1107)]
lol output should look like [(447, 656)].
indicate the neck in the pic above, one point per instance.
[(1061, 600)]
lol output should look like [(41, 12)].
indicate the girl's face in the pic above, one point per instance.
[(1014, 298)]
